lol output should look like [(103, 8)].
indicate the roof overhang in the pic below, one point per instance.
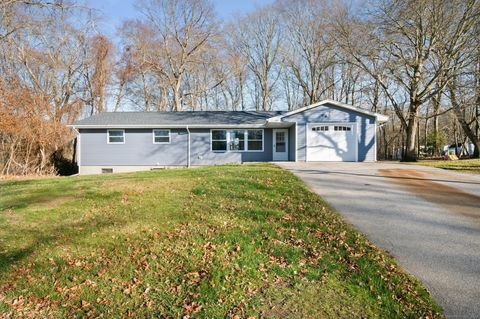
[(264, 125), (379, 117)]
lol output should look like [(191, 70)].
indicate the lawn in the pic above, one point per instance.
[(234, 241), (467, 165)]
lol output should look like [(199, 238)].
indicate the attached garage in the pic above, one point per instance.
[(332, 131), (331, 142)]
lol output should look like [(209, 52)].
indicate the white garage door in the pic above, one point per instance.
[(331, 142)]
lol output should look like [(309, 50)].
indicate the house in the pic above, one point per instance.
[(133, 141)]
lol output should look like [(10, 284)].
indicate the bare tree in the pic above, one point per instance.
[(98, 72), (309, 51), (181, 32), (259, 43), (414, 43), (41, 83)]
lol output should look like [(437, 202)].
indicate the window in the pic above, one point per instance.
[(116, 136), (237, 140), (342, 128), (219, 140), (107, 170), (161, 136), (255, 140), (320, 128)]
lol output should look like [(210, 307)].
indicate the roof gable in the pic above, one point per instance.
[(380, 117)]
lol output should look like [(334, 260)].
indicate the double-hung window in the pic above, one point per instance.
[(116, 136), (161, 136), (236, 140), (219, 140), (255, 140)]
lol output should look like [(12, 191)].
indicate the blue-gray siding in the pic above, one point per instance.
[(328, 113), (202, 155), (139, 149)]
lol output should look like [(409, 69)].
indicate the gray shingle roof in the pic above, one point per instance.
[(177, 118)]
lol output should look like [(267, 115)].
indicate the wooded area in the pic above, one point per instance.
[(416, 61)]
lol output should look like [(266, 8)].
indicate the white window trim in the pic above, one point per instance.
[(211, 140), (245, 140), (162, 129), (108, 137)]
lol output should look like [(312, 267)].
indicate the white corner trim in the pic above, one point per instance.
[(296, 141), (356, 141), (188, 147), (306, 142), (375, 139)]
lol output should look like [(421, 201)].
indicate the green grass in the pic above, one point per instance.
[(215, 242), (467, 166)]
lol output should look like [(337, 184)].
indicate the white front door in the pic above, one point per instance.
[(280, 144)]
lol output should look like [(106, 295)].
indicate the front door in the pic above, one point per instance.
[(280, 144)]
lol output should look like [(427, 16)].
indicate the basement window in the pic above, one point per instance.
[(107, 170)]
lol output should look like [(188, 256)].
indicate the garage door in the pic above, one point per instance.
[(331, 142)]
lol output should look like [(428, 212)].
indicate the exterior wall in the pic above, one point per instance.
[(202, 155), (140, 153), (138, 149), (329, 113)]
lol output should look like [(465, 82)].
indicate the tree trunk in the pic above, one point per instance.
[(146, 95), (410, 139), (385, 144), (177, 100), (118, 98), (436, 110), (418, 140), (457, 110)]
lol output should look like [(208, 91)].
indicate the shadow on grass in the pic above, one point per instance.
[(56, 235)]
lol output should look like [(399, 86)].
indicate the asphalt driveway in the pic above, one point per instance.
[(428, 218)]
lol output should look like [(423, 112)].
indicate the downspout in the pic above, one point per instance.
[(188, 147)]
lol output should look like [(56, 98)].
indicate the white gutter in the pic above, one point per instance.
[(188, 147), (170, 126)]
